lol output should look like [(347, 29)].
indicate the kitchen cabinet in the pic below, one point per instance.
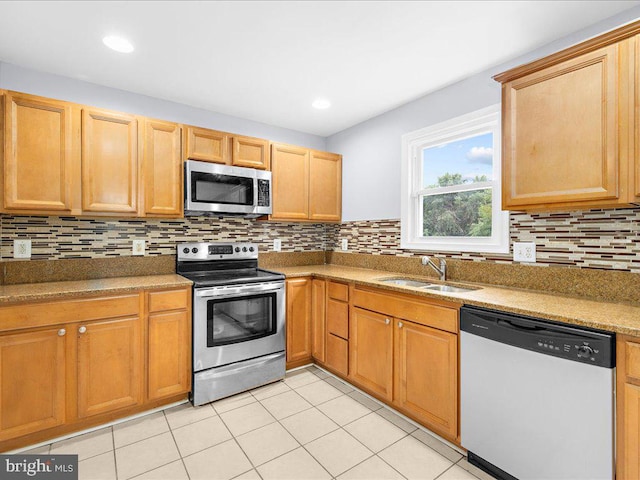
[(169, 361), (162, 182), (32, 385), (337, 322), (567, 127), (318, 319), (109, 162), (628, 407), (206, 145), (298, 292), (306, 184), (72, 364), (403, 349), (251, 152), (110, 364), (37, 175), (371, 352)]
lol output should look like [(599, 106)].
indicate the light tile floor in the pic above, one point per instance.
[(311, 425)]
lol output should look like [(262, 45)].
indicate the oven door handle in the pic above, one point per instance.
[(235, 291)]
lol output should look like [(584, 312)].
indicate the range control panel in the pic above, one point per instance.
[(216, 251)]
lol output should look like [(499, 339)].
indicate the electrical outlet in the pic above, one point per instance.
[(22, 249), (345, 244), (524, 252), (277, 245), (138, 247)]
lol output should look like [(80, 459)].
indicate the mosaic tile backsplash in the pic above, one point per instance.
[(602, 239)]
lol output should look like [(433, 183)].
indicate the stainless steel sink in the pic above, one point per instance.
[(448, 288), (404, 282)]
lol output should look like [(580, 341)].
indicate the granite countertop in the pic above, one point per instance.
[(617, 317), (30, 292)]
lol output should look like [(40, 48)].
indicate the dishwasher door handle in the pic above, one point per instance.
[(516, 326)]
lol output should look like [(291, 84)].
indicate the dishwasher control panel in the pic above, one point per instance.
[(578, 344)]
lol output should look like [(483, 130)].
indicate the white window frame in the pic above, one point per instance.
[(486, 120)]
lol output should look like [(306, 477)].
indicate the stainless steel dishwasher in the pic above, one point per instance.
[(536, 397)]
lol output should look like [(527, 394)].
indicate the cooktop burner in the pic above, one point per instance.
[(215, 264)]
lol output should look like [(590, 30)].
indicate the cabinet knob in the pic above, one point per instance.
[(399, 324), (82, 329), (387, 321), (62, 332)]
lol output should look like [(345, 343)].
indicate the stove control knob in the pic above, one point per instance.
[(185, 250), (244, 249), (251, 249), (194, 250), (237, 249), (585, 351)]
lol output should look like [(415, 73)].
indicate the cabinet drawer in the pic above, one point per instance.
[(632, 360), (338, 354), (408, 307), (338, 318), (54, 313), (338, 291), (168, 300)]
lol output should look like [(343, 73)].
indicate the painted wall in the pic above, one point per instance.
[(371, 150), (13, 77)]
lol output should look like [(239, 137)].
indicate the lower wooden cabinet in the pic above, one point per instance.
[(32, 383), (298, 293), (91, 363), (628, 408), (426, 375), (318, 319)]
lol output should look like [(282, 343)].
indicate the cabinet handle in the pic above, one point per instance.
[(62, 332), (399, 324), (82, 329), (387, 321)]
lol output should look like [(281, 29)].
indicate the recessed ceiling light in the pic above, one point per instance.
[(321, 103), (119, 44)]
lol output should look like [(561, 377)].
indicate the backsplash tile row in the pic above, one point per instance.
[(602, 239), (55, 238)]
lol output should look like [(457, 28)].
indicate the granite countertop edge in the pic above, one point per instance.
[(51, 291), (621, 318)]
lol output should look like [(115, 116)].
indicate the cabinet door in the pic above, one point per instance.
[(110, 365), (426, 372), (628, 462), (162, 169), (290, 182), (298, 292), (32, 381), (560, 133), (318, 330), (207, 145), (371, 352), (169, 354), (109, 162), (251, 152), (38, 141), (325, 187)]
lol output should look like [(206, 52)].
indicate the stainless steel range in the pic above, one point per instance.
[(238, 319)]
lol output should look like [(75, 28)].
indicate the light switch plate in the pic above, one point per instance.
[(524, 252), (138, 247), (345, 244), (277, 245), (22, 249)]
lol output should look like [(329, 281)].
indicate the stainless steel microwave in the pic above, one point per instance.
[(214, 189)]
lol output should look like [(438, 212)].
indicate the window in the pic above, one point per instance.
[(451, 186)]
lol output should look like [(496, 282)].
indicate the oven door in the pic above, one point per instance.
[(235, 323)]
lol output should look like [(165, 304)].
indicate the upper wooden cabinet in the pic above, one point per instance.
[(162, 169), (109, 162), (206, 145), (307, 184), (568, 127), (251, 152), (38, 148)]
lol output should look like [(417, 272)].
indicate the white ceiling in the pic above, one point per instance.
[(267, 61)]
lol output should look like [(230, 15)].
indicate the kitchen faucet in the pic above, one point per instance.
[(442, 269)]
